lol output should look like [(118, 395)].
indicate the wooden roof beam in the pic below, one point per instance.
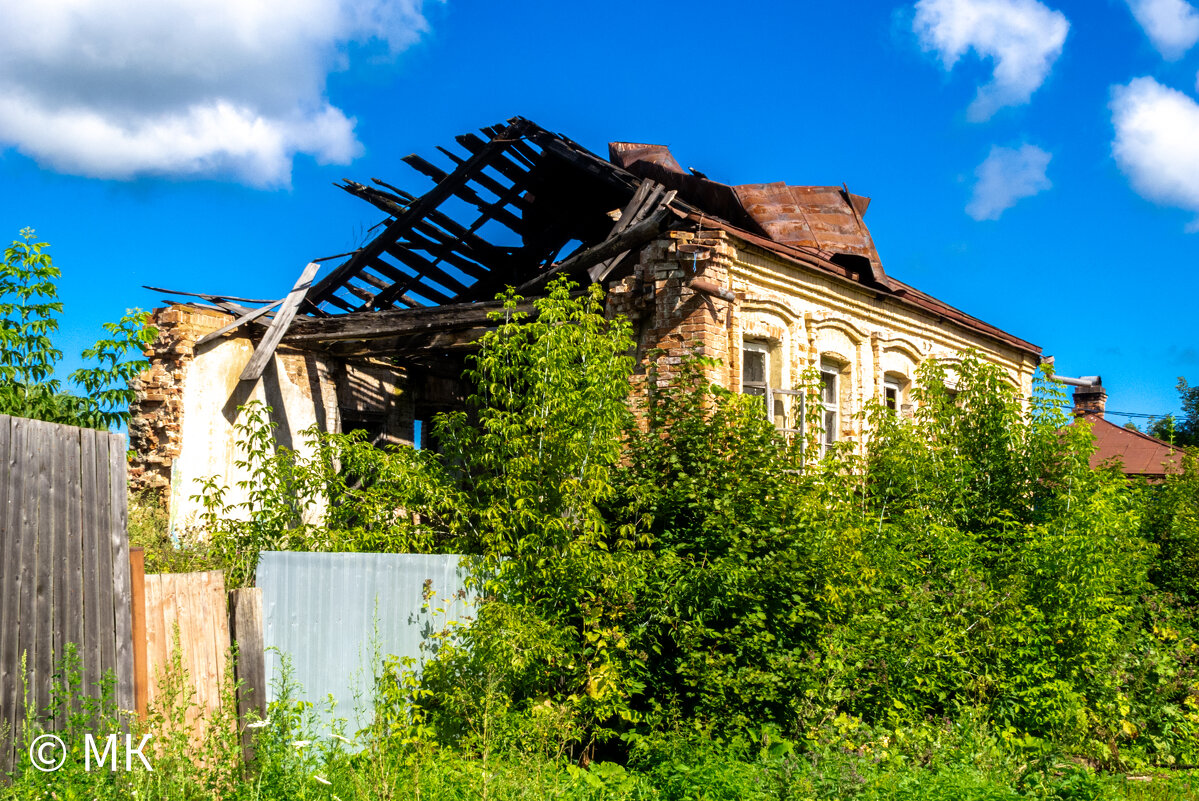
[(417, 210), (392, 322)]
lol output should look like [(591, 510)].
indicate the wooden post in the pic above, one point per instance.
[(137, 582), (245, 629)]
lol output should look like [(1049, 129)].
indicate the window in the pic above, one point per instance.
[(761, 374), (755, 369), (830, 399), (891, 396)]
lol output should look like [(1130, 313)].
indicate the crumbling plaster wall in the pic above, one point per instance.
[(182, 422), (805, 320)]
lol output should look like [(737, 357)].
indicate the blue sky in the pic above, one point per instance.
[(1034, 163)]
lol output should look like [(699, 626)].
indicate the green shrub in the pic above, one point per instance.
[(29, 309)]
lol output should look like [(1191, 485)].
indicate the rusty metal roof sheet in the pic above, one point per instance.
[(824, 217), (827, 218), (622, 154)]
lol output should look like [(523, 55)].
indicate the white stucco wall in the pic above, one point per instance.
[(299, 387)]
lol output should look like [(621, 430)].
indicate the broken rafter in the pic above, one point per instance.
[(416, 211), (202, 295), (287, 312), (497, 211), (501, 163), (645, 200), (610, 248), (247, 317)]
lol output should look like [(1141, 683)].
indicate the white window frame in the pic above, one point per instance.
[(772, 396), (831, 409), (893, 385), (764, 349)]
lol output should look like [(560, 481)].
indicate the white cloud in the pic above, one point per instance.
[(223, 88), (1007, 176), (1023, 37), (1172, 25), (1157, 143)]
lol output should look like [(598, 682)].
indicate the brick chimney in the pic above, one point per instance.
[(1090, 400)]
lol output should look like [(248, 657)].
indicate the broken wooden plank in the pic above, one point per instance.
[(636, 210), (279, 326), (203, 295), (497, 211), (238, 323), (389, 322), (417, 210)]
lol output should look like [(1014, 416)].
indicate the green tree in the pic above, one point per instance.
[(1183, 430), (29, 312), (688, 568)]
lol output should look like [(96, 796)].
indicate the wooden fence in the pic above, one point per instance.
[(64, 565), (193, 613), (196, 603)]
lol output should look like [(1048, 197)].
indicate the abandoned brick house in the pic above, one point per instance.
[(769, 279)]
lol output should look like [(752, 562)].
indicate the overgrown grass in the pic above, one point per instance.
[(149, 528), (200, 756)]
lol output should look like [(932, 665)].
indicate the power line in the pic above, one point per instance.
[(1145, 415)]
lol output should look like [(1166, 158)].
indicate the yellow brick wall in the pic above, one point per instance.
[(803, 317)]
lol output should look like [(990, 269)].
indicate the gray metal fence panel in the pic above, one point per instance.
[(337, 616)]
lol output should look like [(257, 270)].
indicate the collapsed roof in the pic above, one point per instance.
[(521, 204)]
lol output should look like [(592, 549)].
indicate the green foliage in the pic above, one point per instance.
[(1184, 431), (690, 573), (106, 384), (196, 758), (338, 494), (533, 459), (1004, 573), (530, 472), (1171, 510), (29, 309), (149, 529)]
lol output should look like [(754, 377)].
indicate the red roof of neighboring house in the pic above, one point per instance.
[(1139, 454)]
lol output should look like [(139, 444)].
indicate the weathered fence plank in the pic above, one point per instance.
[(245, 629), (43, 616), (76, 514), (118, 540), (137, 600), (27, 533), (10, 589), (104, 564), (62, 521), (194, 605), (90, 644), (60, 625)]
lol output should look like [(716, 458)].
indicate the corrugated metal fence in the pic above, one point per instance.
[(337, 615), (64, 564)]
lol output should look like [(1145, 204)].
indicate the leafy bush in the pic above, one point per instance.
[(29, 307), (690, 572)]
